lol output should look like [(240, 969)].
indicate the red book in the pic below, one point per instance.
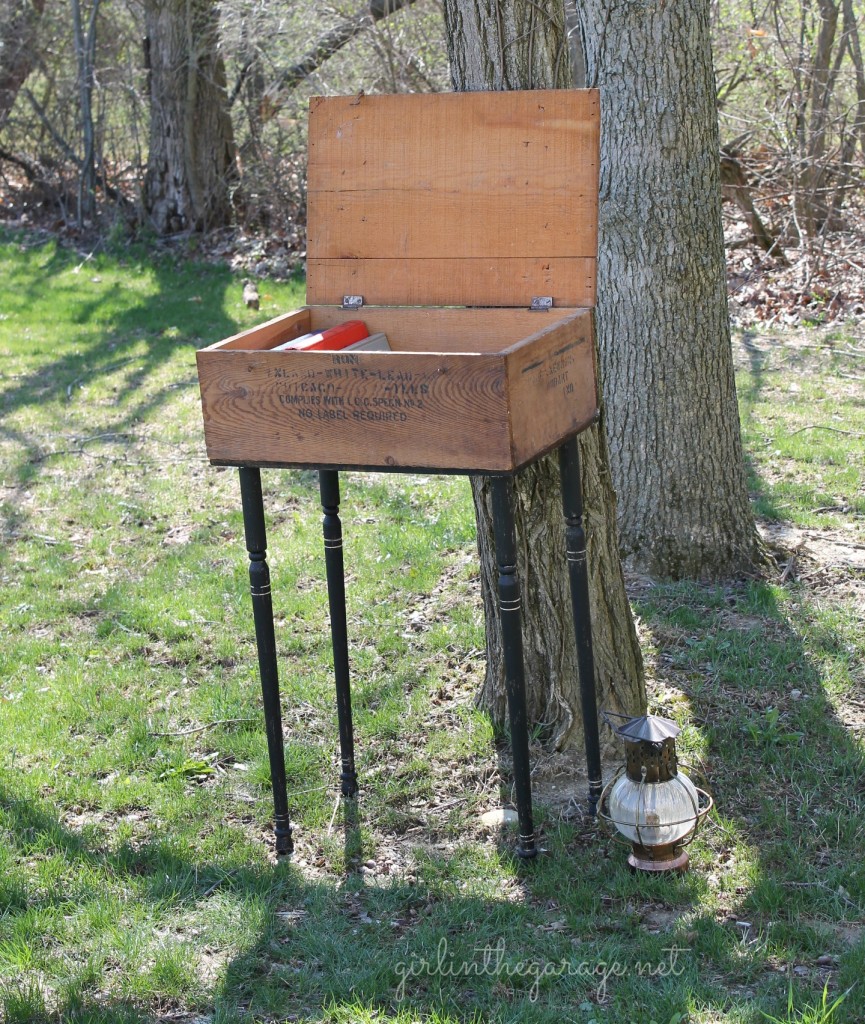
[(333, 339)]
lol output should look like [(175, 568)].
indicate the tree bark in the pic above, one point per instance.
[(191, 169), (518, 44), (85, 49), (812, 194), (19, 31), (663, 331), (575, 45), (852, 29)]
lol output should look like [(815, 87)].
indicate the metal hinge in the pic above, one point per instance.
[(353, 301), (541, 303)]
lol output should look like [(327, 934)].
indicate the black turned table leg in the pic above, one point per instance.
[(575, 534), (512, 639), (328, 480), (262, 610)]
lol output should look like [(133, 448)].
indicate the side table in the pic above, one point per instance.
[(509, 605)]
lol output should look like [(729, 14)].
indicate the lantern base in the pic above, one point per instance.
[(658, 858)]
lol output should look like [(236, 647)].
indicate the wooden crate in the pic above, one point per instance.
[(448, 214)]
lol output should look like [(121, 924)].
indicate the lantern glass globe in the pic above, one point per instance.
[(654, 813)]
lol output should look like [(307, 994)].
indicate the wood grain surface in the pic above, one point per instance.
[(471, 141), (266, 335), (552, 386), (409, 328), (365, 409), (496, 179), (427, 205), (494, 282), (443, 408), (433, 225)]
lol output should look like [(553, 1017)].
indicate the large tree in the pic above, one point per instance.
[(518, 44), (19, 50), (191, 167), (663, 331)]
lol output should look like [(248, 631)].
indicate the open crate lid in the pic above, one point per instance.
[(454, 199)]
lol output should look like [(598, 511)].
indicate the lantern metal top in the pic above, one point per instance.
[(643, 728)]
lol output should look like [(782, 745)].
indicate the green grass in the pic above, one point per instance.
[(803, 415), (136, 881)]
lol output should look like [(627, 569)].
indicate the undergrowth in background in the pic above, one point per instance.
[(136, 881)]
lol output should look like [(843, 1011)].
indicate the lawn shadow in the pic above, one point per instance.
[(339, 947), (572, 929), (757, 675), (782, 383), (758, 368), (470, 931), (164, 321)]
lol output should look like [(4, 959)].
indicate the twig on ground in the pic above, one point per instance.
[(87, 258), (120, 461), (834, 430), (853, 353), (828, 888), (216, 885), (826, 568), (101, 437), (333, 816), (849, 262), (44, 537), (202, 728), (789, 569)]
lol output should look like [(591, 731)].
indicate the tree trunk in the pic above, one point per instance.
[(813, 186), (85, 50), (514, 44), (191, 169), (663, 332), (852, 30), (19, 30), (575, 45)]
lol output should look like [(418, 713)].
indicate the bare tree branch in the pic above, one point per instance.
[(31, 172), (113, 194), (734, 186), (326, 46)]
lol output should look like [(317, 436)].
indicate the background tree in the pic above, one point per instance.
[(19, 33), (61, 121), (191, 165), (791, 84), (664, 339), (791, 94), (84, 38), (515, 44)]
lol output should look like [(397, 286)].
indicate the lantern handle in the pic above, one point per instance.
[(607, 715)]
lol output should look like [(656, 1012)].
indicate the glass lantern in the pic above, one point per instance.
[(651, 802)]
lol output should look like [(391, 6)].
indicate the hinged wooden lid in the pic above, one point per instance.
[(454, 199)]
